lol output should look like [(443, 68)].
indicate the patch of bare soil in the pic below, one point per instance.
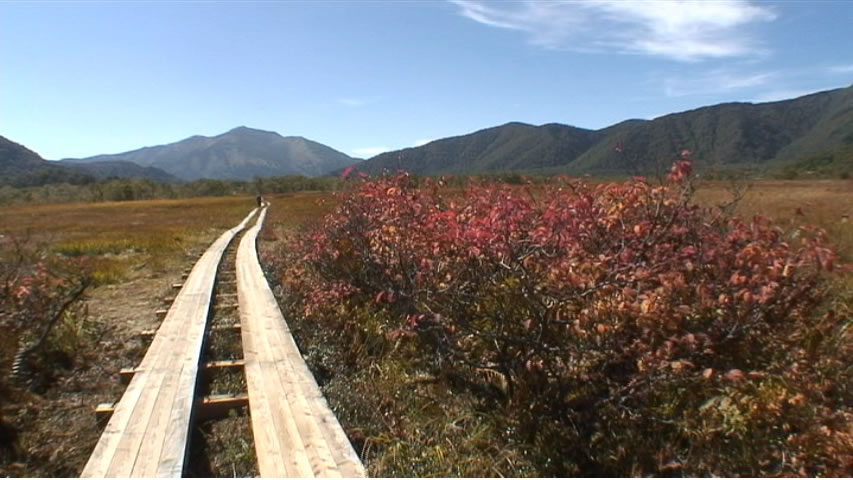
[(52, 433)]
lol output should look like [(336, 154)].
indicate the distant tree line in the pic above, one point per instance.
[(124, 189), (129, 189), (82, 189), (48, 174)]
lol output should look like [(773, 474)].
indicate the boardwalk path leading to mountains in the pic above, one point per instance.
[(295, 432)]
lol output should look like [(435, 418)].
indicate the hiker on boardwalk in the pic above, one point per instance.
[(260, 199)]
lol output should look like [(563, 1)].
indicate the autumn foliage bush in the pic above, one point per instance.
[(622, 329), (42, 312)]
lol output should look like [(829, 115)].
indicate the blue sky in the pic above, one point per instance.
[(84, 78)]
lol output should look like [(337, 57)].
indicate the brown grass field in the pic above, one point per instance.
[(136, 249), (122, 235), (140, 248), (825, 203)]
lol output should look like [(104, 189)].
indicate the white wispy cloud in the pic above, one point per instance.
[(367, 152), (841, 69), (678, 30), (351, 102), (357, 101), (714, 82), (776, 95)]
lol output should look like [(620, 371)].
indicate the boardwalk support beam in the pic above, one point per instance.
[(125, 374), (210, 407)]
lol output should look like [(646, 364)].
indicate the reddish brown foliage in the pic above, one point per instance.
[(634, 332)]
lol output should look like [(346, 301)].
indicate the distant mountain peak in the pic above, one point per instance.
[(242, 129), (241, 153)]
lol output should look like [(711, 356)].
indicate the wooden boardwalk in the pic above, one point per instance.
[(295, 432), (147, 435)]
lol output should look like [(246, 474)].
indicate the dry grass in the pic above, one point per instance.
[(825, 203), (118, 236), (297, 211)]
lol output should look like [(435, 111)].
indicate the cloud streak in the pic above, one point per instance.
[(787, 94), (715, 82), (352, 102), (676, 30), (841, 69), (357, 101)]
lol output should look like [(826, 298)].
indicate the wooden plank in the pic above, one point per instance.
[(279, 446), (295, 431), (216, 328), (267, 441), (125, 374), (225, 364), (218, 406), (223, 328), (211, 406), (148, 432)]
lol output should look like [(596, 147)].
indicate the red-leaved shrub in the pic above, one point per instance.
[(626, 330)]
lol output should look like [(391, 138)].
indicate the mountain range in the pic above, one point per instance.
[(809, 133), (239, 154), (22, 167), (730, 135)]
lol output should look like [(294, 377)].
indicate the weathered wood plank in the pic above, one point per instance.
[(268, 443), (149, 430), (296, 434)]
